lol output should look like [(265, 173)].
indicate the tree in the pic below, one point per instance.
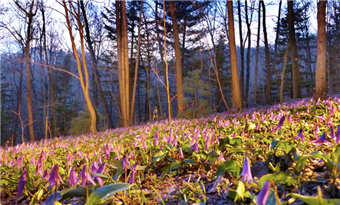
[(81, 65), (241, 48), (320, 75), (268, 69), (236, 93), (257, 52), (123, 62), (179, 75), (30, 11), (95, 66), (294, 56)]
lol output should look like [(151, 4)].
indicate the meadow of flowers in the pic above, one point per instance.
[(283, 154)]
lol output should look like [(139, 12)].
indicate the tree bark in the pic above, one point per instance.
[(179, 77), (241, 48), (136, 66), (50, 78), (236, 92), (123, 61), (293, 53), (284, 72), (248, 54), (29, 14), (268, 69), (320, 76), (95, 68), (83, 73), (257, 53)]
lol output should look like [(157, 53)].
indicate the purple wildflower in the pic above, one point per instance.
[(99, 171), (180, 153), (124, 162), (279, 126), (22, 182), (300, 135), (246, 173), (332, 132), (221, 157), (338, 135), (85, 176), (194, 147), (156, 138), (55, 177), (132, 175), (264, 193), (73, 176), (45, 175), (321, 140)]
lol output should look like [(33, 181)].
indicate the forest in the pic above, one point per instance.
[(62, 74)]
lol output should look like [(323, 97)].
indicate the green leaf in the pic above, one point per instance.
[(190, 161), (40, 193), (240, 191), (275, 142), (171, 167), (100, 175), (251, 126), (229, 165), (139, 167), (78, 192), (106, 191), (281, 177), (158, 156), (311, 200)]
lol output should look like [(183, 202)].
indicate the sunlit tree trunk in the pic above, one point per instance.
[(320, 76), (123, 61), (81, 65), (236, 92), (179, 77), (284, 72), (95, 68), (293, 53)]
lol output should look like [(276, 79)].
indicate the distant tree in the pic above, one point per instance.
[(320, 76), (198, 91), (236, 92)]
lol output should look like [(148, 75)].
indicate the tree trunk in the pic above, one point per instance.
[(50, 78), (248, 55), (268, 69), (236, 92), (84, 82), (95, 68), (179, 77), (257, 53), (320, 76), (123, 61), (241, 48), (284, 72), (293, 53), (136, 67), (162, 58)]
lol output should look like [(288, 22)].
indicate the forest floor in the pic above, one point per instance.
[(290, 151)]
